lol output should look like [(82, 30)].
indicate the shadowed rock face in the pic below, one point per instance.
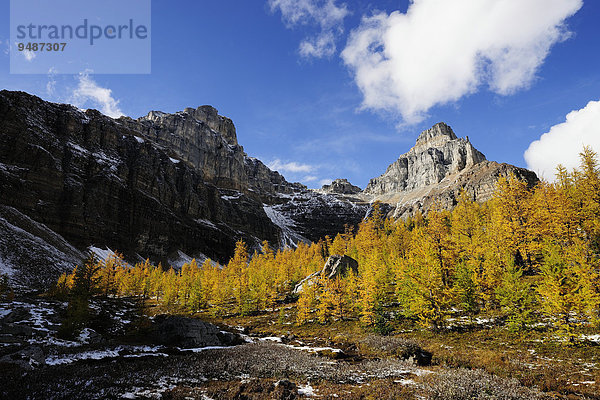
[(95, 180), (155, 187), (31, 254)]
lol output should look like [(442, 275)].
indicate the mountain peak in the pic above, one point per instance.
[(341, 186), (440, 132), (437, 154), (205, 114)]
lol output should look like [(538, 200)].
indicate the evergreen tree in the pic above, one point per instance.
[(517, 298)]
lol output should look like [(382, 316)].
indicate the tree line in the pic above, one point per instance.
[(527, 254)]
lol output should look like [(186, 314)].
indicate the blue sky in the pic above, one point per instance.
[(311, 99)]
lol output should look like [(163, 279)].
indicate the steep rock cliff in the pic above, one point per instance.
[(434, 172), (165, 186), (95, 180)]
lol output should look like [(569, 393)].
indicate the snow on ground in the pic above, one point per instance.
[(84, 336), (6, 268), (591, 338), (310, 349), (271, 339), (405, 381), (174, 161), (163, 384), (289, 238), (39, 314), (86, 355), (139, 139), (306, 390), (314, 349), (126, 351), (199, 349)]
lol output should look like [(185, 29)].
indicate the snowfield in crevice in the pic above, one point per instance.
[(289, 237)]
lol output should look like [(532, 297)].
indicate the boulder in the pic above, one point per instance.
[(185, 332), (335, 266), (16, 329), (27, 358)]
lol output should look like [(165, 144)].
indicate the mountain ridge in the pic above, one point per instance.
[(177, 186)]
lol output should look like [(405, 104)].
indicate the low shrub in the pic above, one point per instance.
[(465, 384)]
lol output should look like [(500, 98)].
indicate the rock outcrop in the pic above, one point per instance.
[(437, 154), (97, 181), (435, 170), (335, 266), (341, 186), (208, 143), (173, 330)]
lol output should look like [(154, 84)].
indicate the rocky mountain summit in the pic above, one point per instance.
[(341, 186), (208, 142), (437, 154), (435, 170)]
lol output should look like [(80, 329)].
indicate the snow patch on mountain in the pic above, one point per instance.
[(101, 254), (30, 253), (181, 258), (6, 269), (289, 237)]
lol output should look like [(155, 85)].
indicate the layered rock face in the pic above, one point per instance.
[(434, 172), (437, 154), (95, 180), (208, 143), (341, 186), (162, 186)]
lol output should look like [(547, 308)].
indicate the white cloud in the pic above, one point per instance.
[(327, 181), (293, 167), (325, 14), (51, 84), (309, 178), (563, 143), (320, 46), (29, 55), (88, 92), (442, 50)]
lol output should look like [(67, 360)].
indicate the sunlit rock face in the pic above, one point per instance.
[(437, 154), (434, 172)]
